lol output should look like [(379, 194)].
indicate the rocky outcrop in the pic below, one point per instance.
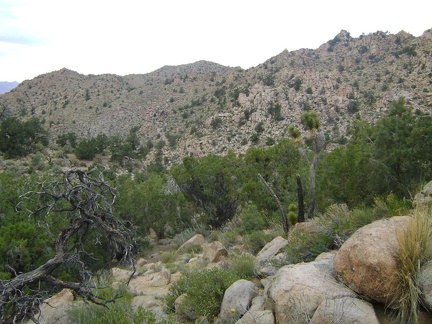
[(266, 259), (345, 310), (214, 252), (367, 261), (298, 290), (54, 310), (197, 239), (424, 198), (237, 299)]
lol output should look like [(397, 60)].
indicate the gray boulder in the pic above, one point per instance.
[(237, 299)]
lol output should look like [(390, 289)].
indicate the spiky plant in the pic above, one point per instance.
[(415, 249)]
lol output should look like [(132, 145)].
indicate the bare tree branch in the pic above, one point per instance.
[(86, 202)]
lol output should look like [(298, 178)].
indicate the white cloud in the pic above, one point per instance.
[(130, 36)]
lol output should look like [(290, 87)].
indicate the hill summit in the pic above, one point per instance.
[(205, 107)]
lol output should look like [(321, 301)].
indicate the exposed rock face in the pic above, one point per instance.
[(237, 299), (214, 252), (342, 76), (56, 307), (198, 239), (425, 284), (298, 290), (424, 198), (345, 310), (269, 252), (367, 261)]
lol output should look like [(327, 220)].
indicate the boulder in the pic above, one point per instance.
[(298, 290), (182, 308), (54, 310), (424, 198), (425, 284), (161, 278), (121, 274), (237, 299), (214, 252), (345, 310), (264, 258), (367, 261), (258, 316), (198, 239)]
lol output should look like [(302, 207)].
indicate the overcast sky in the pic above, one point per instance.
[(140, 36)]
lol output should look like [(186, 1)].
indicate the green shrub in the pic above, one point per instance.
[(255, 241), (305, 247), (119, 312), (251, 219), (244, 266), (168, 256), (205, 290)]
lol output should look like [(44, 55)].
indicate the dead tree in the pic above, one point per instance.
[(85, 201), (285, 223), (300, 200)]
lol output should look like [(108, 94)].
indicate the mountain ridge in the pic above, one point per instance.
[(205, 107)]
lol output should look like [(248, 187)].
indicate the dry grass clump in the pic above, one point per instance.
[(415, 250)]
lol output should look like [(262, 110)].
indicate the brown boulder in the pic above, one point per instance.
[(367, 261), (214, 252)]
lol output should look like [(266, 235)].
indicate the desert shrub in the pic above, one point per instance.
[(305, 247), (119, 312), (415, 250), (255, 241), (251, 219), (194, 249), (168, 256), (205, 290), (244, 266)]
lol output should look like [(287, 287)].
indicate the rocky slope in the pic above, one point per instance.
[(204, 107)]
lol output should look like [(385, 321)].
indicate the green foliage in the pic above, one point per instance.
[(119, 312), (18, 139), (210, 184), (255, 241), (243, 266), (251, 219), (392, 156), (305, 247), (204, 289), (278, 165), (153, 203), (311, 120), (67, 139), (24, 243)]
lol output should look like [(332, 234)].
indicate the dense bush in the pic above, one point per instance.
[(18, 139), (204, 290)]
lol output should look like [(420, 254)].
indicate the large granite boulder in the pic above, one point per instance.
[(237, 299), (298, 290), (367, 261)]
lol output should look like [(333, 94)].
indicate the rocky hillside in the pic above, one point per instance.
[(204, 107)]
